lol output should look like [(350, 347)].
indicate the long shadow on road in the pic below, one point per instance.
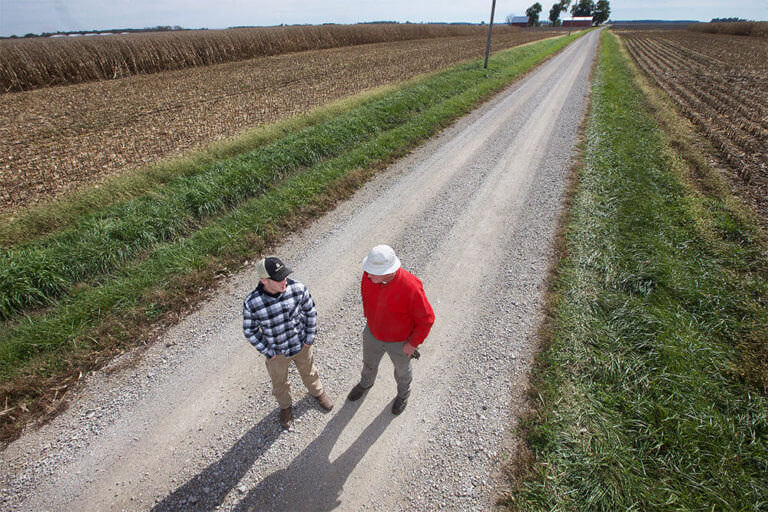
[(312, 482), (208, 489)]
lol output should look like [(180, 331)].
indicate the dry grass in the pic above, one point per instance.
[(57, 139), (741, 28), (33, 63)]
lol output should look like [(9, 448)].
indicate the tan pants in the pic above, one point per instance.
[(278, 372)]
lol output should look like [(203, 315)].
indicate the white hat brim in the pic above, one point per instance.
[(380, 270)]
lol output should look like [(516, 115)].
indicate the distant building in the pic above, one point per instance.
[(578, 21), (518, 21)]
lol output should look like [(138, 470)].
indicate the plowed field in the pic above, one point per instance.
[(54, 140), (720, 83)]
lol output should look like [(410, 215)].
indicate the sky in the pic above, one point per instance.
[(21, 17)]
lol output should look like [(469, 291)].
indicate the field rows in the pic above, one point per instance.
[(721, 84), (56, 139)]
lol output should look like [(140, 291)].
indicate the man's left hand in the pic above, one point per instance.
[(408, 349)]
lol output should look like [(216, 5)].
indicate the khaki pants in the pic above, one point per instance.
[(278, 372), (373, 351)]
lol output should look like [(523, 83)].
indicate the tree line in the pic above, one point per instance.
[(112, 31), (600, 11)]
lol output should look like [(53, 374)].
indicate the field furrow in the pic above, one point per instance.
[(720, 84), (57, 139)]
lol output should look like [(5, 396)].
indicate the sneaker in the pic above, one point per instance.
[(399, 405), (286, 417), (357, 392), (324, 401)]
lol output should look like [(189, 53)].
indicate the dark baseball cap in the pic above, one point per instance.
[(272, 268)]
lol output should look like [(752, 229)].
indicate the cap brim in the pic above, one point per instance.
[(282, 274)]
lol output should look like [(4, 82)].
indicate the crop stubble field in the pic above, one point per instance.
[(720, 83), (59, 138)]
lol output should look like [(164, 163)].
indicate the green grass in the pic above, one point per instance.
[(121, 264), (652, 386)]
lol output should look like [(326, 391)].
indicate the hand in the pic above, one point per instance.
[(408, 349)]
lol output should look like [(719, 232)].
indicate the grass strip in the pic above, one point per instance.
[(43, 343), (653, 387), (36, 273)]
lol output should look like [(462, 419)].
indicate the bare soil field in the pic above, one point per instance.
[(56, 139), (720, 83)]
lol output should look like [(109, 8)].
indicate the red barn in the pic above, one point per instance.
[(578, 21)]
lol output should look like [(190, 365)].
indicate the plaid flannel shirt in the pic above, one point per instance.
[(282, 324)]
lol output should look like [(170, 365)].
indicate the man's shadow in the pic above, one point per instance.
[(208, 489), (312, 482)]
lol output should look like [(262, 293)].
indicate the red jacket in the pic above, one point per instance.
[(398, 310)]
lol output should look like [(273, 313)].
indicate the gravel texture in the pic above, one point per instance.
[(190, 423)]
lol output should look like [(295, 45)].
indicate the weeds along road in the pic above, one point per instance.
[(190, 424)]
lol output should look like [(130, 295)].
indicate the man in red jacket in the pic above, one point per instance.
[(398, 317)]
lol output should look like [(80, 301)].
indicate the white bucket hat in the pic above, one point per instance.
[(381, 260)]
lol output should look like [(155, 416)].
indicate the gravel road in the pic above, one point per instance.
[(190, 423)]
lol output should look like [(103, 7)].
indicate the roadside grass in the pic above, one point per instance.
[(651, 391), (136, 262)]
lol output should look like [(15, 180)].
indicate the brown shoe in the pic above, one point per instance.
[(324, 401), (286, 417)]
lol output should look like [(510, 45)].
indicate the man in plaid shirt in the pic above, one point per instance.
[(279, 319)]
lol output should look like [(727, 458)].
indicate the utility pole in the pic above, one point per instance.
[(490, 29)]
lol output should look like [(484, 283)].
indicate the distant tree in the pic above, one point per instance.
[(510, 17), (533, 14), (726, 20), (602, 12), (554, 14), (583, 8)]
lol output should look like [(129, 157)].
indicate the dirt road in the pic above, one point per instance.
[(191, 425)]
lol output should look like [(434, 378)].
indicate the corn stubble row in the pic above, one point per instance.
[(743, 28), (58, 139), (720, 83), (41, 62)]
